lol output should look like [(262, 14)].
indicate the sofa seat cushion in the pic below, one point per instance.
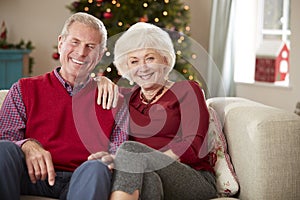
[(29, 197)]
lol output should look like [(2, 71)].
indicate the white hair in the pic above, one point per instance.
[(88, 20), (143, 36)]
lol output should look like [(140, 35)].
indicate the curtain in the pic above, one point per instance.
[(220, 77)]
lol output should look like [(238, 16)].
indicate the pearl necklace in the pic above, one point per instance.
[(149, 101)]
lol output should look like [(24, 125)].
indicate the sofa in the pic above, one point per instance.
[(264, 147)]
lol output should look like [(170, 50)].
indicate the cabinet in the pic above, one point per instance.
[(13, 66)]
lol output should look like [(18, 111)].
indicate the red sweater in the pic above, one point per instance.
[(70, 127), (178, 120)]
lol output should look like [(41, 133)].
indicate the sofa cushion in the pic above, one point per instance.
[(29, 197), (226, 179)]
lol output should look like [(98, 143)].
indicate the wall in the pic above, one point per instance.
[(38, 21), (200, 21), (41, 22)]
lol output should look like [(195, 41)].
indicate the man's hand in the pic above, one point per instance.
[(108, 92), (39, 162), (104, 157)]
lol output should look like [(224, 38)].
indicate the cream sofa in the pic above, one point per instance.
[(264, 145)]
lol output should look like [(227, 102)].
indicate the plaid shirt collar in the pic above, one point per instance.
[(66, 85), (72, 91)]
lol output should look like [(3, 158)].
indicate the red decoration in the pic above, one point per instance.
[(144, 18), (272, 66), (3, 33), (107, 15), (55, 56)]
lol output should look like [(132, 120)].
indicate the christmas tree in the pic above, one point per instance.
[(119, 15)]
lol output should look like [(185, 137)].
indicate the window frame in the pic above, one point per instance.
[(251, 28), (284, 32)]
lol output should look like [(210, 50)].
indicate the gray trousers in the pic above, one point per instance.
[(91, 180), (157, 176)]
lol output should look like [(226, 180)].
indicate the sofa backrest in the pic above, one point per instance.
[(2, 96)]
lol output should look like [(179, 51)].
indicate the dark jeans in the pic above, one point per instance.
[(91, 180)]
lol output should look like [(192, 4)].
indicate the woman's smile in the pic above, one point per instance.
[(146, 76)]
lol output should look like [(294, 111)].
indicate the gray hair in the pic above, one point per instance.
[(88, 20), (143, 36)]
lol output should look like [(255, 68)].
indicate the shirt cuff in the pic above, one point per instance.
[(21, 142)]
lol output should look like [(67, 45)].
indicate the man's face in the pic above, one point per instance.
[(79, 51)]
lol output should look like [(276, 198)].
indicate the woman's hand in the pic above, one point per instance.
[(105, 157), (108, 92), (171, 154)]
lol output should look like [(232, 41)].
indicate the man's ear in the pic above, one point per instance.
[(59, 42)]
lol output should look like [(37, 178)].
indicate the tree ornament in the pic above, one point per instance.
[(144, 18), (75, 4), (55, 55), (107, 15)]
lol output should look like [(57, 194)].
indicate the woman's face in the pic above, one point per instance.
[(147, 68)]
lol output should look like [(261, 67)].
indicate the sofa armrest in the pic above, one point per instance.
[(264, 145)]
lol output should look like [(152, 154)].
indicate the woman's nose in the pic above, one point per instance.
[(143, 67)]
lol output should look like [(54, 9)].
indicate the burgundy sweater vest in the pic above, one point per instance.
[(69, 127)]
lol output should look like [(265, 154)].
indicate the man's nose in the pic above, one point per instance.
[(82, 50)]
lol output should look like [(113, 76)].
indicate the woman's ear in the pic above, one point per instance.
[(166, 62)]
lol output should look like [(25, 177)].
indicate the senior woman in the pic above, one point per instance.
[(168, 124)]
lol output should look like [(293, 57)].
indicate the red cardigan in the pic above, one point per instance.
[(70, 127), (179, 121)]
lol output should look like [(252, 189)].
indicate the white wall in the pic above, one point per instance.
[(200, 20)]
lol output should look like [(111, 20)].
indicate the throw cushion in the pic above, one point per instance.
[(226, 179)]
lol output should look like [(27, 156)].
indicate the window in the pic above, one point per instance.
[(276, 18), (256, 22)]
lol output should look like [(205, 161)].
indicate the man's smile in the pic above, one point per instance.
[(77, 61)]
